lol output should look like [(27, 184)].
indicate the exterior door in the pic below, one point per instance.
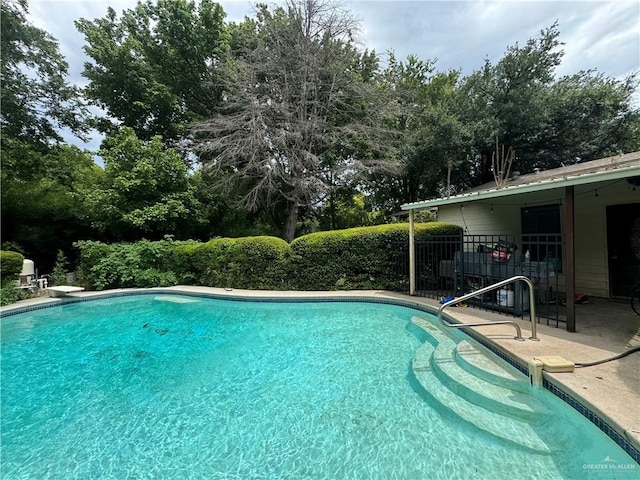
[(623, 240)]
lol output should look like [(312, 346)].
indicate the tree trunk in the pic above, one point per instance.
[(291, 221), (332, 210)]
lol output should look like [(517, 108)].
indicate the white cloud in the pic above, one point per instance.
[(606, 38), (462, 33)]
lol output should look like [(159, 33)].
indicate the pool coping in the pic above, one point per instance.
[(553, 383)]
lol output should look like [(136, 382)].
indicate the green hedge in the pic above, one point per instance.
[(10, 265), (10, 268), (247, 262), (357, 258)]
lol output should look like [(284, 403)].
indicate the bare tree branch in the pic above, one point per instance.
[(293, 100)]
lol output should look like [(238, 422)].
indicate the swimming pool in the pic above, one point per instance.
[(170, 386)]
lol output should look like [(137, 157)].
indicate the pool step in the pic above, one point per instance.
[(517, 403), (506, 413), (467, 363), (475, 359)]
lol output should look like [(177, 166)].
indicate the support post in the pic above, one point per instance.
[(412, 255), (570, 258)]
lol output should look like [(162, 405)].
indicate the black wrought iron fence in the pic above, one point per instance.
[(453, 265), (543, 253)]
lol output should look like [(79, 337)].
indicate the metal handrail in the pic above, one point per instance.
[(489, 288)]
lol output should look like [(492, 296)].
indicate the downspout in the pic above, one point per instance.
[(570, 261), (412, 255)]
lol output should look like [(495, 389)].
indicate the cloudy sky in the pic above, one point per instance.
[(460, 34)]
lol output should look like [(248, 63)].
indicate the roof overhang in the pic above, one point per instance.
[(547, 184)]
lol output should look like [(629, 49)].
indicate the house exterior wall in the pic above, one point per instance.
[(591, 257), (477, 219)]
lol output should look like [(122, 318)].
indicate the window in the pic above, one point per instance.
[(542, 235)]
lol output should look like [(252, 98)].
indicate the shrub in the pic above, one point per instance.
[(152, 277), (248, 262), (186, 264), (88, 269), (10, 265), (59, 275), (122, 265), (10, 294), (357, 258), (10, 268)]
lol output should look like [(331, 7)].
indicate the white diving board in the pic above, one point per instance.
[(63, 290)]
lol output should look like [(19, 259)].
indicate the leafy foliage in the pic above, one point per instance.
[(36, 99), (119, 265), (10, 294), (356, 258), (154, 69), (249, 262), (590, 116), (348, 208), (146, 190), (338, 260), (294, 125), (10, 265), (548, 122), (42, 199), (10, 268), (297, 128), (59, 274), (506, 101), (435, 140), (40, 176)]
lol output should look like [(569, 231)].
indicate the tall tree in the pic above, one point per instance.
[(508, 100), (298, 104), (43, 208), (548, 121), (37, 101), (41, 178), (432, 136), (145, 192), (155, 69), (589, 116)]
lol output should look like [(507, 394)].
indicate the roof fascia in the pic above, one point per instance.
[(565, 181)]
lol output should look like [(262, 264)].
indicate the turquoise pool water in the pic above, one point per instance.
[(183, 387)]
